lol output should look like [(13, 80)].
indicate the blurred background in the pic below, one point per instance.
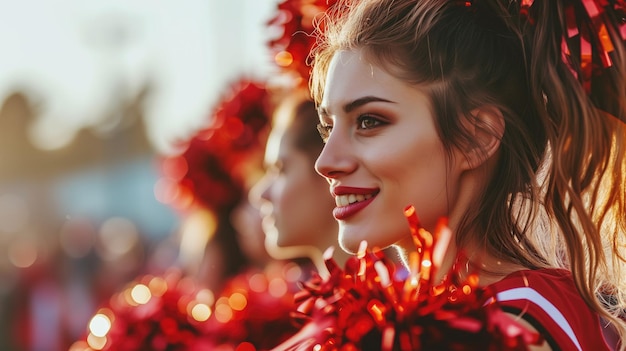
[(92, 94)]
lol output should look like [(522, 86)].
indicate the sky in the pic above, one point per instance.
[(81, 62)]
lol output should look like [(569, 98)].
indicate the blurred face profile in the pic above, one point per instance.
[(296, 204)]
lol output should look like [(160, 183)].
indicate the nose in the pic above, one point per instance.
[(335, 159), (258, 195)]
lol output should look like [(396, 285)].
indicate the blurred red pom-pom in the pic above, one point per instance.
[(152, 313), (255, 307)]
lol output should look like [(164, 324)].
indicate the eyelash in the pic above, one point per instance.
[(363, 118), (326, 129)]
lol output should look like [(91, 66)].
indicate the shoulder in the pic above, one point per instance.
[(549, 301), (540, 286)]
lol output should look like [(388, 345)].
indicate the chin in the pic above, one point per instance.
[(351, 243), (381, 237), (283, 243), (348, 248)]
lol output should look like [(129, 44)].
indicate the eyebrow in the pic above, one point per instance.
[(351, 106)]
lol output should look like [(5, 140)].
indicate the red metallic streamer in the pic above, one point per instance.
[(372, 311)]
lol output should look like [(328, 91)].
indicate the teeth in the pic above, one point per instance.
[(345, 200)]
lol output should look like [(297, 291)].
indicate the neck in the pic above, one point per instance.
[(489, 269)]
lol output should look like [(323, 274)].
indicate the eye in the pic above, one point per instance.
[(324, 131), (368, 122)]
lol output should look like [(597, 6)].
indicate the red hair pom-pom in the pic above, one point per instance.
[(297, 19), (210, 170)]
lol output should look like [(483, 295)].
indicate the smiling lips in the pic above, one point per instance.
[(351, 200)]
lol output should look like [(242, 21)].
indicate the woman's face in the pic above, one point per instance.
[(382, 153), (297, 205)]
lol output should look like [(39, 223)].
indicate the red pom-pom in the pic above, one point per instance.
[(364, 308)]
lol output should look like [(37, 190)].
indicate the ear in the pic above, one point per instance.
[(485, 127)]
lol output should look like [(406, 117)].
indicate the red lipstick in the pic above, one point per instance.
[(347, 209)]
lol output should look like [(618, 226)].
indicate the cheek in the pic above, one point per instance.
[(290, 193), (278, 195), (413, 172), (405, 160)]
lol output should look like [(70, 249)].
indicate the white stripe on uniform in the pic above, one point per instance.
[(533, 296)]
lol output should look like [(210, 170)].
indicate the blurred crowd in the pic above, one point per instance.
[(55, 270)]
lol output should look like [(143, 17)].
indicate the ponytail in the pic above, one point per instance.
[(577, 69)]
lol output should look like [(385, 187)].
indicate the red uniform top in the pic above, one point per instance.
[(548, 299)]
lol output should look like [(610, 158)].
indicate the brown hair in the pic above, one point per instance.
[(561, 157), (296, 112)]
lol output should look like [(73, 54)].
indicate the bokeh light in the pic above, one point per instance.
[(237, 301), (223, 313), (23, 252), (283, 58), (206, 296), (277, 287), (200, 312), (158, 286), (99, 325), (140, 294), (118, 236), (258, 283), (96, 342)]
